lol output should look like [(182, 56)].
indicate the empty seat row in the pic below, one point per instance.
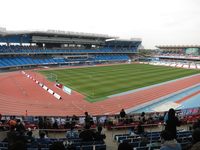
[(34, 49), (23, 61)]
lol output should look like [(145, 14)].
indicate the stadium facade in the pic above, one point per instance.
[(181, 49), (180, 52), (38, 48)]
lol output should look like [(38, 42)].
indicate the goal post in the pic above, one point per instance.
[(51, 77)]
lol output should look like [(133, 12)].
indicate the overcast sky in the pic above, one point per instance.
[(157, 22)]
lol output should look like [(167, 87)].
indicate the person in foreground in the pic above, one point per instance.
[(172, 122), (87, 134), (195, 139), (168, 141)]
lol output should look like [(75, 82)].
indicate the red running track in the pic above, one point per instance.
[(19, 93)]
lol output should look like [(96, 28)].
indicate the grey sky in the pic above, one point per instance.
[(157, 22)]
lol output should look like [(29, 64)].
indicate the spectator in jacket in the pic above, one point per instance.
[(72, 133), (87, 134), (98, 135), (172, 122), (122, 113)]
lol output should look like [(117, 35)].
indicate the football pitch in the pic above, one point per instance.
[(96, 83)]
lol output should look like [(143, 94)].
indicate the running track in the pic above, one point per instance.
[(18, 94)]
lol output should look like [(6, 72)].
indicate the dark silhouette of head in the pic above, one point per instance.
[(86, 113), (143, 113), (42, 135), (171, 113), (29, 133)]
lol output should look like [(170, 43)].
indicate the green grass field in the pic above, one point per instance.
[(98, 82)]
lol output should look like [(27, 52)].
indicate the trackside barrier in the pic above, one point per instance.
[(57, 96), (178, 65), (44, 87), (50, 91)]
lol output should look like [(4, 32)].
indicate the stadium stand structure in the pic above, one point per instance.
[(186, 53), (37, 48), (179, 56)]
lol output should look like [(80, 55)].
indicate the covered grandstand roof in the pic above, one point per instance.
[(4, 32), (124, 42), (55, 38), (52, 36)]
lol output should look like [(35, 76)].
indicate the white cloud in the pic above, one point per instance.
[(155, 21)]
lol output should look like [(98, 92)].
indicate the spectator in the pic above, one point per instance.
[(168, 141), (88, 119), (41, 123), (98, 135), (132, 131), (143, 117), (72, 133), (150, 120), (122, 113), (12, 123), (196, 139), (29, 137), (12, 135), (172, 122), (20, 127), (55, 125), (125, 146), (74, 120), (43, 139), (156, 117), (87, 134), (140, 129), (67, 122)]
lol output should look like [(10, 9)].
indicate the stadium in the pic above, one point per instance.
[(57, 74), (93, 71)]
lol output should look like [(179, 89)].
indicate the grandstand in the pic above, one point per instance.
[(37, 48), (179, 52)]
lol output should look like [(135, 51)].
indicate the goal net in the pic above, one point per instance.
[(51, 77)]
